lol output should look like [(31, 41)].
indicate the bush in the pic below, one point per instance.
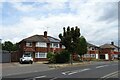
[(51, 57), (62, 57)]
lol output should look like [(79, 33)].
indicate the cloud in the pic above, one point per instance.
[(109, 13), (96, 20), (20, 7)]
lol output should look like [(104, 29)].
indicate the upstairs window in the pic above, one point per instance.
[(29, 44), (54, 45), (41, 44)]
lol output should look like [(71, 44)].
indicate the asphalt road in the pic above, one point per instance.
[(101, 70)]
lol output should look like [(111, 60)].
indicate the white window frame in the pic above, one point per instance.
[(28, 44), (39, 55), (41, 44), (92, 55), (52, 45)]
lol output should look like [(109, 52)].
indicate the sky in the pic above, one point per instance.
[(97, 19)]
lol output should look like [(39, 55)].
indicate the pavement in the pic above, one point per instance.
[(17, 68)]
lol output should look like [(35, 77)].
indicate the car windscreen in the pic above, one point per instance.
[(27, 55)]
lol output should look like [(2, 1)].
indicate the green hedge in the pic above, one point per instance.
[(51, 57), (61, 57)]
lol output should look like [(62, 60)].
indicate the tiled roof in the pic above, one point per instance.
[(41, 38), (107, 46), (91, 45), (51, 39)]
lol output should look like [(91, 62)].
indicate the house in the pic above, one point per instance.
[(109, 51), (39, 46), (92, 53)]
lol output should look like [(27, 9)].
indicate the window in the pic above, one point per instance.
[(36, 55), (93, 55), (54, 45), (41, 44), (29, 44), (40, 55)]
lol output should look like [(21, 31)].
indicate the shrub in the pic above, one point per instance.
[(62, 57), (51, 57)]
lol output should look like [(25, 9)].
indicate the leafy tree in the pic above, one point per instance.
[(9, 46), (15, 47), (70, 39), (81, 48)]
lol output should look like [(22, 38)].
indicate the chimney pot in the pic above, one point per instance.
[(112, 43), (45, 34)]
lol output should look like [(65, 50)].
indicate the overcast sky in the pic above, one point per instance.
[(97, 19)]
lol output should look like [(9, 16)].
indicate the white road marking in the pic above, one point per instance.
[(113, 75), (53, 78), (65, 72), (40, 76), (35, 78), (101, 66), (72, 73), (78, 71), (108, 75), (85, 69)]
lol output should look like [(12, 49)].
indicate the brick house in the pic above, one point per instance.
[(39, 46), (109, 51), (92, 53)]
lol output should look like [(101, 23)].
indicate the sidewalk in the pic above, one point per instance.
[(68, 64), (77, 64), (16, 68)]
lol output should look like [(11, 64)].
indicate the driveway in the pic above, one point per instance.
[(16, 68)]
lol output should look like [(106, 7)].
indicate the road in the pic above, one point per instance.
[(96, 70)]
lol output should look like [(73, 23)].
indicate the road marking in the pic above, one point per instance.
[(85, 69), (53, 78), (35, 78), (101, 66), (108, 75), (76, 71), (64, 73), (113, 75), (40, 76), (72, 73)]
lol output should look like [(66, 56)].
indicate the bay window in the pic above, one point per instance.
[(40, 55), (54, 45), (29, 44), (41, 44)]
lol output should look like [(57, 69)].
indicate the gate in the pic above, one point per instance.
[(6, 57)]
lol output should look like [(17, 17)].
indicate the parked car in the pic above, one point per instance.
[(27, 57)]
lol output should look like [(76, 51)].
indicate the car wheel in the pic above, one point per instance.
[(31, 62), (20, 62)]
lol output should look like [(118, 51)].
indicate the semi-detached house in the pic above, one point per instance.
[(39, 46)]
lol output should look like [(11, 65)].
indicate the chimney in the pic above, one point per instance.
[(45, 34), (112, 43)]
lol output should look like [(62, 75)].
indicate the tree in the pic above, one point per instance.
[(9, 46), (70, 39), (81, 48)]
